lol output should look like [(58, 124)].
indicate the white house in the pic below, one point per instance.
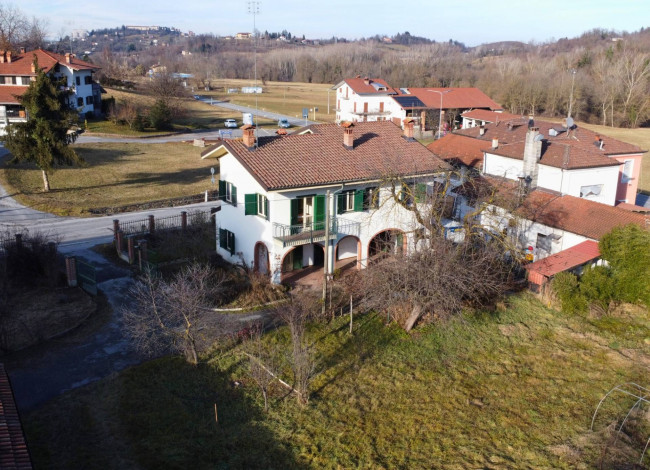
[(481, 117), (18, 70), (275, 204), (363, 99)]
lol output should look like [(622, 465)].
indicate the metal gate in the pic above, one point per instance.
[(86, 277)]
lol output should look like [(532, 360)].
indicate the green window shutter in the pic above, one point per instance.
[(420, 192), (231, 242), (295, 203), (266, 207), (222, 238), (234, 195), (250, 204), (340, 203), (319, 208), (358, 200), (222, 190)]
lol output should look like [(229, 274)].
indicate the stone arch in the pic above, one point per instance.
[(391, 240), (342, 250)]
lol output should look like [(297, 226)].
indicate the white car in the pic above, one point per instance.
[(230, 123)]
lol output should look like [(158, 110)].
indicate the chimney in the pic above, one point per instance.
[(366, 80), (281, 132), (33, 67), (8, 57), (249, 136), (67, 57), (481, 130), (2, 57), (408, 130), (532, 154), (495, 143), (348, 138), (22, 50)]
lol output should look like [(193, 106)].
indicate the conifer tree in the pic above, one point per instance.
[(44, 139)]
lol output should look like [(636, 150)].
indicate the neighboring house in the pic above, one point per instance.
[(372, 99), (574, 161), (363, 99), (274, 205), (481, 117), (243, 35), (542, 222), (17, 71)]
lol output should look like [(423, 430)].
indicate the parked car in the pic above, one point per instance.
[(231, 123), (284, 123)]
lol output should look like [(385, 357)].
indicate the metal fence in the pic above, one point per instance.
[(172, 222), (86, 277), (135, 227)]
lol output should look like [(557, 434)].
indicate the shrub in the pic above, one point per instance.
[(160, 116), (565, 285), (597, 286)]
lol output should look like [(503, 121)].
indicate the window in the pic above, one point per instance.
[(406, 194), (88, 80), (78, 80), (350, 201), (89, 100), (370, 198), (228, 192), (543, 242), (589, 192), (256, 204), (227, 240), (80, 101), (628, 167)]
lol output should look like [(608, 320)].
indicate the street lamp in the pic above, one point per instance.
[(573, 79), (440, 118)]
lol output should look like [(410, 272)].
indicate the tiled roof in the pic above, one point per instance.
[(13, 448), (632, 207), (559, 154), (579, 138), (317, 158), (8, 92), (358, 85), (576, 215), (489, 116), (21, 64), (457, 149), (453, 98), (566, 259)]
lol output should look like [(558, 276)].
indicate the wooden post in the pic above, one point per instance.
[(350, 314), (116, 228), (152, 223), (130, 245), (118, 242), (184, 220)]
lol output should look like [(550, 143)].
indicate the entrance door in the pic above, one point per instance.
[(297, 258), (319, 255)]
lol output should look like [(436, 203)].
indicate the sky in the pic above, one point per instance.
[(472, 22)]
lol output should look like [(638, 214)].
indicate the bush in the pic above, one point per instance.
[(160, 116), (597, 286), (566, 286)]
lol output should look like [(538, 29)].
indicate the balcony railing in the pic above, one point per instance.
[(371, 112), (305, 234)]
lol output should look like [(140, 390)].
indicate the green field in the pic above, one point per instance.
[(115, 174), (509, 389)]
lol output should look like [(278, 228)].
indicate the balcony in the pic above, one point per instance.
[(372, 112), (294, 235)]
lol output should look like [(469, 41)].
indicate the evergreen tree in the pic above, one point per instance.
[(44, 139)]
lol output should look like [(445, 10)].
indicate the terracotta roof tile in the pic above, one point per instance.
[(457, 149), (566, 259), (559, 154), (303, 160), (21, 64), (13, 448), (8, 93), (358, 85)]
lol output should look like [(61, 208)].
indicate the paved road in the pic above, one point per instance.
[(204, 134)]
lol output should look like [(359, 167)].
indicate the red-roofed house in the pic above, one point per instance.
[(481, 117), (17, 71), (571, 259), (363, 99), (273, 192)]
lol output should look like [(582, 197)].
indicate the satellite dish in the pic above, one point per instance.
[(569, 122), (539, 137)]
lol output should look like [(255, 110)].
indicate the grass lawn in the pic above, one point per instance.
[(513, 389), (287, 98), (115, 174)]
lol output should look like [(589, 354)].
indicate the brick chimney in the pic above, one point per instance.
[(408, 129), (249, 136), (348, 137), (366, 80), (2, 57), (281, 132), (22, 50), (8, 57), (67, 57), (33, 67), (495, 143), (532, 154)]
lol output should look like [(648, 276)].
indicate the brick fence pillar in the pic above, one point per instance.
[(130, 244), (184, 220), (116, 228), (118, 241), (152, 223), (71, 270)]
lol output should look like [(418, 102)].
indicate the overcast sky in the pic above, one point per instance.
[(470, 21)]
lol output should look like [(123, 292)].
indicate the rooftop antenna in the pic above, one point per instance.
[(573, 79), (254, 9)]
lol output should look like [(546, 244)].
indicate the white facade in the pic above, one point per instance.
[(354, 107), (354, 233), (81, 84)]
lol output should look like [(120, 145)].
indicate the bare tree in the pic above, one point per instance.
[(164, 87), (13, 26), (262, 362), (172, 315)]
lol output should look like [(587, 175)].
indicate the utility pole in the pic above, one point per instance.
[(573, 79), (254, 9), (326, 250)]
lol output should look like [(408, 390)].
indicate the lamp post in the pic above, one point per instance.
[(573, 79), (440, 117)]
